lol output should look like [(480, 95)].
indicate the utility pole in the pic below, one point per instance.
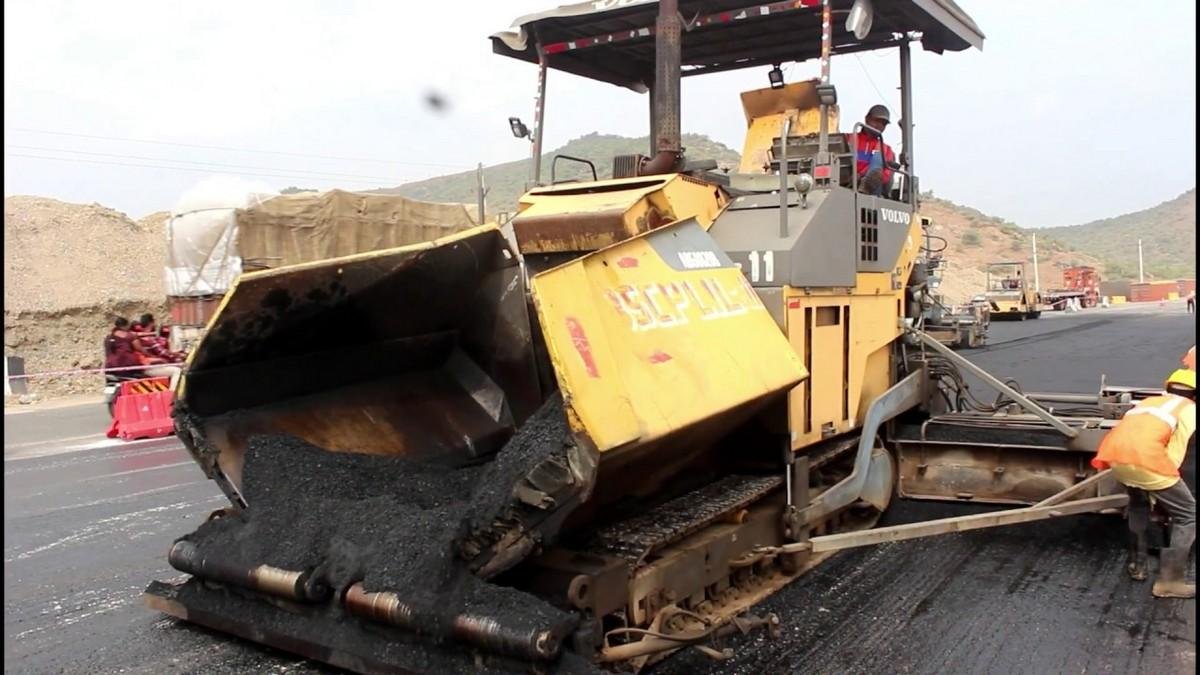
[(1037, 286), (480, 192), (1141, 269)]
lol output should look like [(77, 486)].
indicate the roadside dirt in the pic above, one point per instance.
[(68, 270)]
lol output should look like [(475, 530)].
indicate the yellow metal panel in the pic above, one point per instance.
[(590, 216), (642, 350), (844, 381), (764, 130)]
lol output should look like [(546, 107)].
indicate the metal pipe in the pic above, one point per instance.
[(906, 125), (902, 396), (1040, 412), (826, 51), (481, 631), (978, 521), (289, 584), (539, 115), (783, 177), (668, 48), (657, 643), (1141, 269), (1054, 397)]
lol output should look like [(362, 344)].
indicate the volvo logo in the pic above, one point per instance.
[(894, 216)]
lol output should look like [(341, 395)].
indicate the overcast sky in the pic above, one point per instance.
[(1074, 110)]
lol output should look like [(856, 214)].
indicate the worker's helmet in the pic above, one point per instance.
[(880, 112), (1182, 381)]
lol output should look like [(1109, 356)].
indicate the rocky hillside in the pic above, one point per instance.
[(68, 269), (1167, 231), (973, 240), (506, 182)]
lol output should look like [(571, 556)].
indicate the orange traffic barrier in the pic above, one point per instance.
[(143, 410)]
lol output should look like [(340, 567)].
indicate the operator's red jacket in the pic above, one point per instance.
[(868, 144)]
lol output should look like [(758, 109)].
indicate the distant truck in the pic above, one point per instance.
[(1081, 283)]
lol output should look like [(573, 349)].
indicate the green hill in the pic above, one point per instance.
[(1167, 231), (506, 182)]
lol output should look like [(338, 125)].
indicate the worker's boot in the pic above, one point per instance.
[(1139, 522), (1172, 568), (1136, 564)]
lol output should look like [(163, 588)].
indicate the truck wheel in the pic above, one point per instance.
[(1034, 315)]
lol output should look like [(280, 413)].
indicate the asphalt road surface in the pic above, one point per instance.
[(87, 524)]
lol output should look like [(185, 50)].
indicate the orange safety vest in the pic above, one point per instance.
[(1141, 438)]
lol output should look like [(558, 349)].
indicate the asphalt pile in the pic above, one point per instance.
[(389, 522)]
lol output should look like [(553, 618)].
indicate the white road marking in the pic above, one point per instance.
[(126, 473), (97, 445)]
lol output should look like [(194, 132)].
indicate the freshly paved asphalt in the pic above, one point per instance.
[(88, 521)]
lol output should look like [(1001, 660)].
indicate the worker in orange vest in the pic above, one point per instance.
[(1145, 451)]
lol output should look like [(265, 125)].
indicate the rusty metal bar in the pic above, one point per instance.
[(482, 631), (982, 374), (929, 528), (1091, 481), (655, 643), (665, 101), (288, 584)]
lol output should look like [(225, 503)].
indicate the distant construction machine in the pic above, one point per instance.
[(742, 380), (1009, 293), (956, 326)]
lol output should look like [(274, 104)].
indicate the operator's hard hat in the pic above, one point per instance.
[(1183, 378), (880, 112)]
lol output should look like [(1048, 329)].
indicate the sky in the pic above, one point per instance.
[(1073, 110)]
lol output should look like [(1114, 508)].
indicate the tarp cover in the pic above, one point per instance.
[(202, 255), (298, 228)]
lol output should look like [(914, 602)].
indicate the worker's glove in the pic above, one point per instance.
[(871, 182)]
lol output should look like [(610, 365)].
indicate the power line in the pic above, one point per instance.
[(233, 149), (189, 161), (864, 69), (79, 160)]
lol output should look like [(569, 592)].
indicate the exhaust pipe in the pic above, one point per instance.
[(281, 583), (484, 632), (668, 56)]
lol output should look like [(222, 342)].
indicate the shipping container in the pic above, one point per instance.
[(1152, 291)]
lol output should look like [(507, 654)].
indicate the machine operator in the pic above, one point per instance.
[(873, 155), (1145, 451)]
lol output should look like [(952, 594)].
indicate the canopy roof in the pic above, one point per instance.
[(613, 40)]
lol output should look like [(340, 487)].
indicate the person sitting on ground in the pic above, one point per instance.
[(1145, 452), (118, 349), (874, 157)]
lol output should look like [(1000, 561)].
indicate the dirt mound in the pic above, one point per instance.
[(68, 268)]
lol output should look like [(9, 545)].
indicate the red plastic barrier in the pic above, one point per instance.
[(143, 410)]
